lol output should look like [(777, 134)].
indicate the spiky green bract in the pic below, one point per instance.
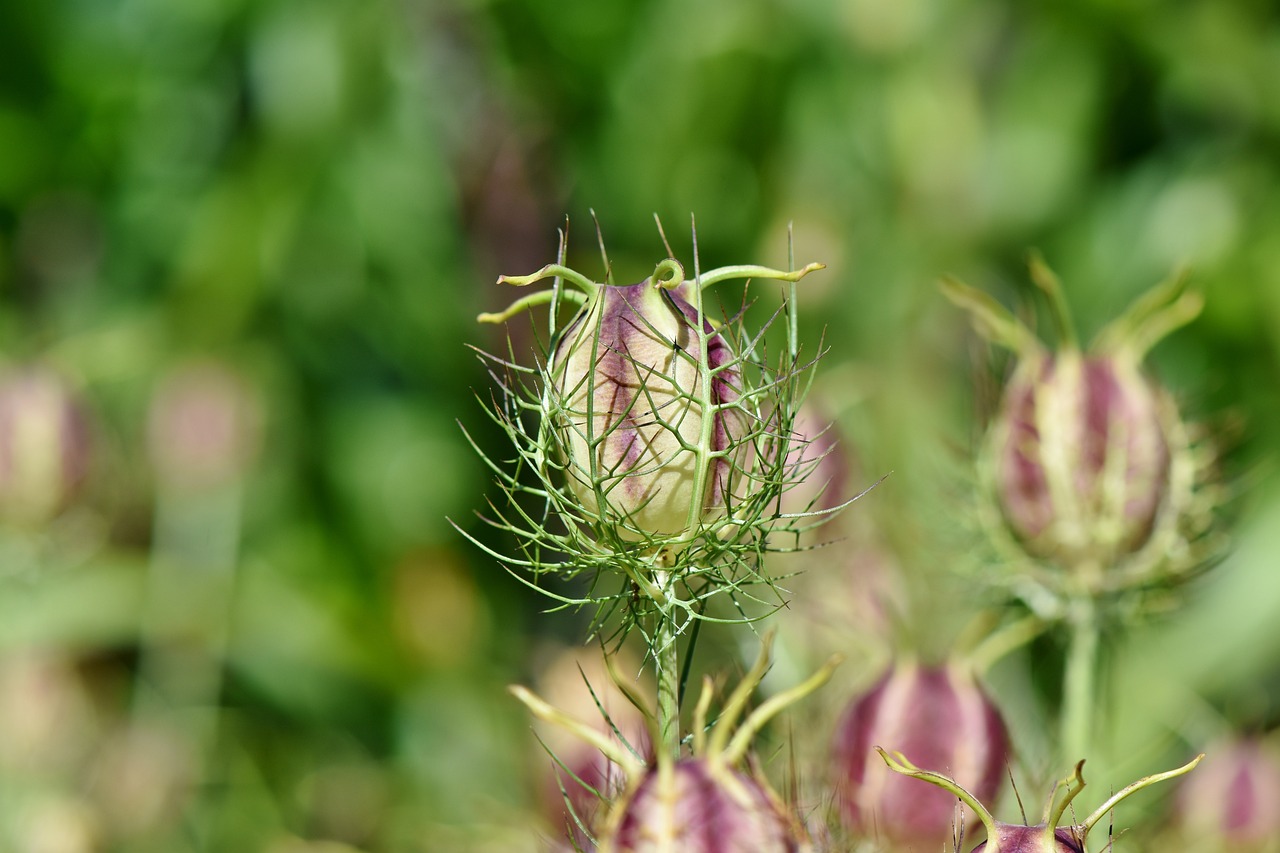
[(650, 440)]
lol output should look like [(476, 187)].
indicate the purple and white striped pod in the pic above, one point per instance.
[(938, 717), (1233, 801), (1081, 454), (700, 805), (821, 458), (203, 427), (1011, 838), (628, 398), (44, 445)]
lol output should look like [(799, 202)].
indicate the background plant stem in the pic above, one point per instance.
[(1080, 679)]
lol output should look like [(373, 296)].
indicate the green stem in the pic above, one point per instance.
[(666, 660), (1080, 680)]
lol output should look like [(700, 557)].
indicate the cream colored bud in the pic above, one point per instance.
[(646, 422)]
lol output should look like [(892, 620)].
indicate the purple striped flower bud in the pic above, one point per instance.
[(1082, 458), (1089, 469), (1033, 839), (936, 717), (630, 401), (821, 460), (701, 805), (1233, 803), (203, 427), (44, 445)]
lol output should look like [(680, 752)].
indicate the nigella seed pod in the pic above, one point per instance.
[(1233, 803), (203, 427), (653, 435), (44, 445), (1081, 455), (1033, 839), (647, 444), (702, 806), (820, 459), (1089, 471), (937, 716)]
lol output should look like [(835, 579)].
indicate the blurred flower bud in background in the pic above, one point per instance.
[(1232, 802), (1089, 467), (203, 428), (44, 444), (53, 823), (576, 681), (822, 460), (937, 716), (438, 613), (848, 585), (45, 713), (1081, 455), (144, 776)]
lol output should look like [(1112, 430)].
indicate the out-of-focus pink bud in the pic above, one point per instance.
[(1233, 801), (702, 806), (47, 719), (821, 461), (579, 684), (628, 395), (1088, 465), (1081, 455), (203, 427), (936, 717), (143, 779), (44, 445)]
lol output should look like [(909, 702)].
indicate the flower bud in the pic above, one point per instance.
[(821, 460), (580, 779), (203, 427), (647, 444), (937, 717), (1089, 469), (1034, 839), (1233, 802), (1081, 457), (44, 445), (700, 805)]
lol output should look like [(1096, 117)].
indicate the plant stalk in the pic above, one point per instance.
[(1080, 680), (666, 661)]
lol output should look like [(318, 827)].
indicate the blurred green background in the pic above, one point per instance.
[(250, 237)]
